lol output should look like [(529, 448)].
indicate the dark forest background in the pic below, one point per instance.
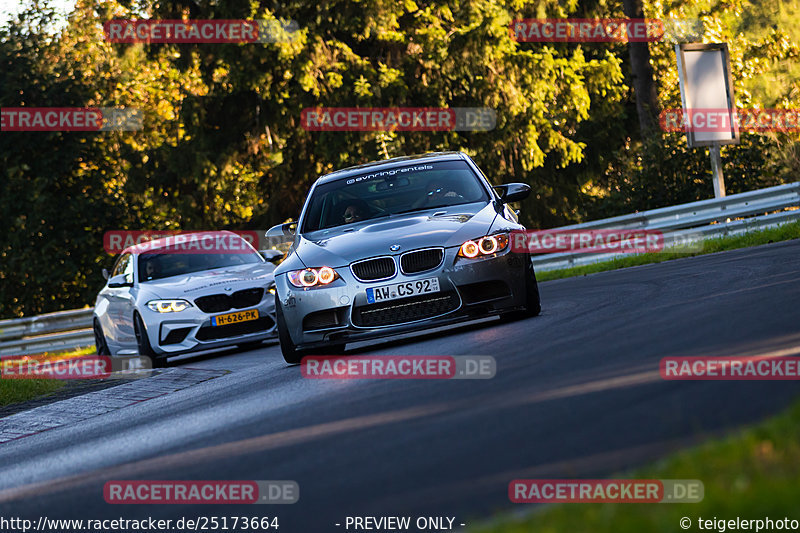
[(222, 145)]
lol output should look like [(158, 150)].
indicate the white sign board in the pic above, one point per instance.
[(709, 108)]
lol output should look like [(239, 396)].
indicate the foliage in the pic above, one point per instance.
[(663, 171), (223, 147)]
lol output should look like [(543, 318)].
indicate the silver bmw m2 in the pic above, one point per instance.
[(173, 296), (395, 246)]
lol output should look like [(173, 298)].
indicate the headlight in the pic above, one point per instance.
[(489, 245), (312, 277), (168, 306), (271, 289)]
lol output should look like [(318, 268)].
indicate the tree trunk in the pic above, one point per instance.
[(644, 87)]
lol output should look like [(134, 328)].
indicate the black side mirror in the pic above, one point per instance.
[(513, 192), (287, 229), (118, 281), (272, 256)]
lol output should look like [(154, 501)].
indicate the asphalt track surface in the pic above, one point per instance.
[(577, 394)]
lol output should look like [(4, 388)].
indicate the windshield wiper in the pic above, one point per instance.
[(426, 208)]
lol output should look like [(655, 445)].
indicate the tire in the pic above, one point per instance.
[(143, 343), (533, 303), (291, 354), (100, 339)]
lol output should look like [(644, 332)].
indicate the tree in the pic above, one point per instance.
[(644, 88)]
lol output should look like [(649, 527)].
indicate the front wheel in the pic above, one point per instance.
[(533, 303), (289, 350), (293, 355), (143, 343), (100, 339)]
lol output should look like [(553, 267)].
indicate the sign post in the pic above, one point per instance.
[(716, 171), (709, 106)]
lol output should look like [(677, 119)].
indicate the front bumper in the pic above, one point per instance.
[(191, 330), (340, 313)]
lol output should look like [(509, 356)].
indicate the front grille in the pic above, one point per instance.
[(216, 303), (246, 298), (421, 260), (209, 333), (374, 269), (405, 310)]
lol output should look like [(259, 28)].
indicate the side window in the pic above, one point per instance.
[(124, 266), (129, 270)]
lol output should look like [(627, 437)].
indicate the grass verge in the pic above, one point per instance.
[(19, 390), (784, 232), (752, 474)]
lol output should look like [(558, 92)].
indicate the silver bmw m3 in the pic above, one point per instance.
[(173, 296), (398, 245)]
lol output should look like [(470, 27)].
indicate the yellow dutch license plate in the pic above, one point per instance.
[(233, 318)]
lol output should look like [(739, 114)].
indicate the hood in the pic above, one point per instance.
[(342, 245), (213, 281)]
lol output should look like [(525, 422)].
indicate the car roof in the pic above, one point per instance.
[(391, 163)]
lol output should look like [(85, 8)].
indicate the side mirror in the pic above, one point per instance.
[(272, 256), (118, 281), (513, 192), (287, 229), (105, 273)]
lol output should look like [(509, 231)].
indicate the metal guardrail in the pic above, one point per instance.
[(64, 330), (734, 214)]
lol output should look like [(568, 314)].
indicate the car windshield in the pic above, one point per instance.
[(389, 192), (160, 263)]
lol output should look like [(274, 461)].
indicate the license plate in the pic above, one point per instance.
[(402, 290), (233, 318)]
